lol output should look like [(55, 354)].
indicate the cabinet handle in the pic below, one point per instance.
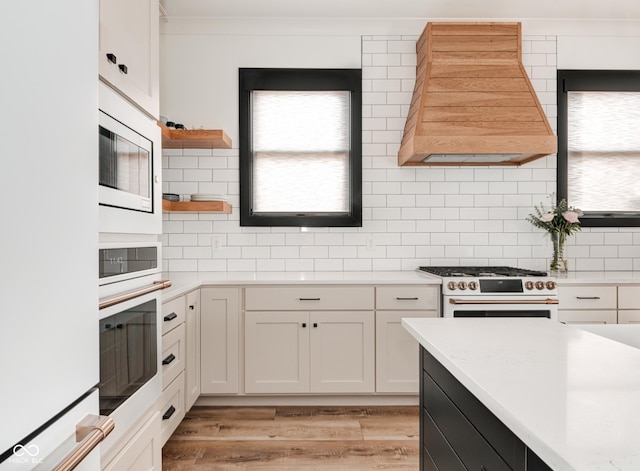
[(315, 325), (123, 68), (406, 299), (309, 299), (192, 307), (587, 297), (169, 359), (170, 411), (304, 325), (112, 58), (170, 317)]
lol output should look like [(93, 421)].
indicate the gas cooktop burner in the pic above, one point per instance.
[(481, 271)]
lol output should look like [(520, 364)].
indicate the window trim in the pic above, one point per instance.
[(590, 80), (300, 80)]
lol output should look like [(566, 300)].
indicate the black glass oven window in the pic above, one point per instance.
[(514, 313), (126, 260), (501, 286), (128, 354)]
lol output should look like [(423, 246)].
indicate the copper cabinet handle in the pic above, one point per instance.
[(89, 432)]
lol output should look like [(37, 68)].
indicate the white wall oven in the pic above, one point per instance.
[(129, 187), (496, 292), (130, 333)]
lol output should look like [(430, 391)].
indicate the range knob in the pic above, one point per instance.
[(528, 285), (551, 284), (462, 285), (451, 285), (540, 284), (473, 285)]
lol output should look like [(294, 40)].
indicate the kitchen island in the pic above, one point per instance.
[(534, 389)]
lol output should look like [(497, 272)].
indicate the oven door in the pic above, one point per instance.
[(500, 306)]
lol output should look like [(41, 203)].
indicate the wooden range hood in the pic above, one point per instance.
[(473, 103)]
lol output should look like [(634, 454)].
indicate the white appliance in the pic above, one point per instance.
[(130, 333), (129, 186), (48, 289), (496, 292)]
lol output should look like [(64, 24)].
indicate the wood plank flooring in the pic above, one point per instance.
[(295, 438)]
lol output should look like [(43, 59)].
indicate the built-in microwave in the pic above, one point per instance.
[(129, 153), (125, 166)]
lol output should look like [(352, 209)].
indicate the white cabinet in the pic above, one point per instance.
[(219, 340), (192, 344), (128, 50), (143, 451), (397, 352), (309, 352), (629, 304), (309, 339), (587, 304)]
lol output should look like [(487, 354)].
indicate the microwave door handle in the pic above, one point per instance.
[(503, 301), (157, 285)]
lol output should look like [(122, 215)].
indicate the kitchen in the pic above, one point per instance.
[(411, 215)]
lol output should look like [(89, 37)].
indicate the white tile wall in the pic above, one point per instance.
[(412, 216)]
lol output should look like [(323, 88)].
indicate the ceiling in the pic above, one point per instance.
[(450, 9)]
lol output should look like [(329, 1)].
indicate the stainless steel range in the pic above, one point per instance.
[(496, 292)]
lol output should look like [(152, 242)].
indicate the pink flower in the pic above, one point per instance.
[(548, 217), (571, 216)]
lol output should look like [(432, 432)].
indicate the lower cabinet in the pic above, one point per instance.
[(172, 407), (309, 352), (219, 340), (143, 452), (587, 304), (192, 344)]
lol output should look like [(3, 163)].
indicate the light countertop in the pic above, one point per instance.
[(571, 396), (183, 282), (598, 277)]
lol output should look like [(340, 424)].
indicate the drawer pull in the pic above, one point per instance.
[(170, 317), (406, 299), (304, 325), (315, 325), (169, 359), (309, 299), (192, 307), (587, 297), (123, 68), (112, 58), (170, 411)]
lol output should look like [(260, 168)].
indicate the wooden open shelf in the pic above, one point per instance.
[(194, 138), (221, 207)]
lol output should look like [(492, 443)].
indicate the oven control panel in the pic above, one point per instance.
[(498, 285)]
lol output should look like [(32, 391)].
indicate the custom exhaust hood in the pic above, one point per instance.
[(473, 103)]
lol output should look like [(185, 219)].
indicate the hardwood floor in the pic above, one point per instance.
[(295, 438)]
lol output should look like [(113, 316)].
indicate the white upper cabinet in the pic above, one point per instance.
[(128, 52)]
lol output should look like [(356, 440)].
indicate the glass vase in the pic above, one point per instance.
[(558, 262)]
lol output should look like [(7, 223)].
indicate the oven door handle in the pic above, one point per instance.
[(503, 301), (157, 285)]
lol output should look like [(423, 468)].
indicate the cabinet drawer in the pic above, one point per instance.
[(588, 316), (308, 298), (407, 297), (628, 297), (172, 358), (587, 297), (172, 407), (173, 314), (437, 448)]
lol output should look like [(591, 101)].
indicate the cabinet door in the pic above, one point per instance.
[(143, 452), (129, 30), (342, 352), (276, 352), (219, 340), (588, 317), (629, 316), (397, 352), (192, 366)]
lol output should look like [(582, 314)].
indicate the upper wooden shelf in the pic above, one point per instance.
[(221, 207), (194, 138)]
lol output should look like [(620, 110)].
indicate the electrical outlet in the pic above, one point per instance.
[(216, 243)]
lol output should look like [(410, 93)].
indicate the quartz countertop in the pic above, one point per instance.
[(571, 396), (183, 282), (600, 277)]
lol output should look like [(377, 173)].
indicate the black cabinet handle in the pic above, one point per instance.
[(123, 68), (112, 58), (170, 317), (170, 411), (191, 307), (309, 299), (315, 325), (169, 359), (304, 324), (587, 297), (406, 299)]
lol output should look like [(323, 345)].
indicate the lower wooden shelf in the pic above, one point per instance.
[(221, 207)]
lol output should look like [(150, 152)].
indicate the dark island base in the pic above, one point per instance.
[(457, 432)]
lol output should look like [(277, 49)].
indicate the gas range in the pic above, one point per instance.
[(493, 281)]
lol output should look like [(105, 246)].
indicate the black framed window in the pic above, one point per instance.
[(300, 147), (599, 145)]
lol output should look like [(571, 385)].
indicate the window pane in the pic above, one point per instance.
[(604, 151), (301, 151)]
